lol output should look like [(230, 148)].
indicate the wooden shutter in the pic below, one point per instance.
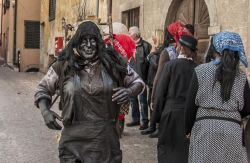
[(131, 17), (135, 17), (125, 18)]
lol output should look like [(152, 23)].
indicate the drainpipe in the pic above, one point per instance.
[(194, 23), (109, 3), (2, 23), (109, 17), (97, 9), (15, 58)]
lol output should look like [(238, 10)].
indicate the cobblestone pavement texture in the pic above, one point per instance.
[(24, 137)]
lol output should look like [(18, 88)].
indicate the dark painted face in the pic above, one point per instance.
[(88, 48)]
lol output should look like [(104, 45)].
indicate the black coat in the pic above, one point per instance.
[(140, 63), (153, 59), (171, 93)]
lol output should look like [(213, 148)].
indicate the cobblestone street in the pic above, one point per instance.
[(25, 139)]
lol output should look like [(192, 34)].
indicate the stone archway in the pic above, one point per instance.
[(166, 9), (195, 12)]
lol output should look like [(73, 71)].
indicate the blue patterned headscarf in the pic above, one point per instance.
[(230, 41)]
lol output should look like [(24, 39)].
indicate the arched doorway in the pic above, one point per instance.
[(193, 12)]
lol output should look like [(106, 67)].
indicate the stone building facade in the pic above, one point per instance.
[(208, 17), (69, 13), (20, 33)]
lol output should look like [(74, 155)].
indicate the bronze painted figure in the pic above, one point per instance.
[(93, 81)]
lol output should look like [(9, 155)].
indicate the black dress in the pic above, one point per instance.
[(171, 95)]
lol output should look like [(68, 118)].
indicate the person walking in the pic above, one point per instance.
[(173, 32), (218, 98), (153, 59), (125, 46), (171, 94), (140, 64), (94, 81)]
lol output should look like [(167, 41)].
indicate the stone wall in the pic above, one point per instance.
[(225, 15), (26, 11), (68, 9), (7, 35), (29, 58)]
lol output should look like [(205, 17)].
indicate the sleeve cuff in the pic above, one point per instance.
[(39, 97)]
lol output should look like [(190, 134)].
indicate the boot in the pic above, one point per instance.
[(144, 126), (154, 134), (150, 130)]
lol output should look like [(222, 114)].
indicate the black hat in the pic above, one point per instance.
[(189, 42)]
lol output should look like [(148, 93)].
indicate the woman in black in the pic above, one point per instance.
[(153, 59), (173, 32), (171, 94)]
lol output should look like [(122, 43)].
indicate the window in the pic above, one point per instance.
[(131, 17), (32, 34), (52, 10)]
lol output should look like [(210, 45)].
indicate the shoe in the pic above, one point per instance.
[(131, 124), (150, 130), (144, 126), (154, 134)]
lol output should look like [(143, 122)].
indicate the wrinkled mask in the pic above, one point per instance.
[(87, 48)]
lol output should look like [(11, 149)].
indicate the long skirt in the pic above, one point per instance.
[(216, 141), (172, 144)]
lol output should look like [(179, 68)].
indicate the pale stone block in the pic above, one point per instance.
[(213, 30)]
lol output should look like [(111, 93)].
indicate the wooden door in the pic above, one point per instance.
[(194, 12)]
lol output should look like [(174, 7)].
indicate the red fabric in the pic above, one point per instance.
[(123, 44), (121, 117), (177, 29)]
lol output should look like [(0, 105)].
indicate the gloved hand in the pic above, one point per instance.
[(48, 115), (121, 95)]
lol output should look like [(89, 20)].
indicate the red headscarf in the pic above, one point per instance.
[(123, 44), (177, 29)]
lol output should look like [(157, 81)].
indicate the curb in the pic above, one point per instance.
[(12, 67)]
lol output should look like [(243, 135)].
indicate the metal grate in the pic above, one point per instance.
[(32, 34), (52, 10)]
